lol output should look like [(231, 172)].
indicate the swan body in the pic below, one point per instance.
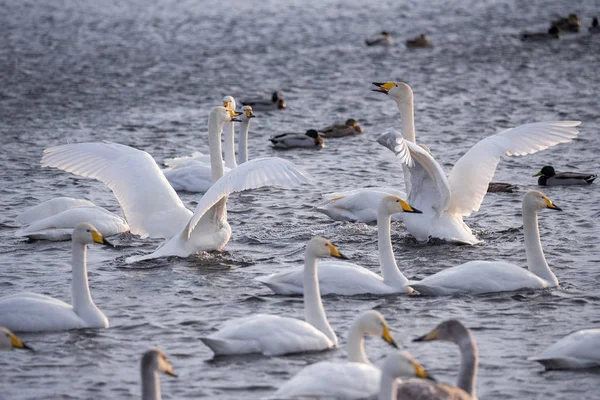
[(549, 177), (49, 208), (355, 379), (357, 205), (272, 335), (195, 177), (31, 312), (9, 341), (580, 349), (275, 103), (153, 362), (311, 139), (349, 128), (445, 201), (343, 278), (477, 277)]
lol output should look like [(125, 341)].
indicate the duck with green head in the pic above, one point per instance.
[(549, 177)]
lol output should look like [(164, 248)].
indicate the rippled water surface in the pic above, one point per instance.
[(146, 74)]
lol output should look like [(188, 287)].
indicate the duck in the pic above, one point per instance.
[(570, 24), (383, 39), (55, 219), (580, 349), (9, 341), (356, 378), (150, 204), (595, 28), (153, 362), (32, 312), (501, 187), (552, 33), (310, 139), (549, 177), (273, 335), (455, 332), (418, 42), (446, 200), (349, 128), (479, 277), (399, 364), (276, 103), (347, 279)]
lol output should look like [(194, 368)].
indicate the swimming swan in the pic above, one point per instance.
[(355, 379), (399, 364), (580, 349), (153, 362), (343, 278), (150, 204), (32, 312), (477, 277), (273, 335), (9, 341)]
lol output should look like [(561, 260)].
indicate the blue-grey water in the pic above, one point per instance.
[(146, 74)]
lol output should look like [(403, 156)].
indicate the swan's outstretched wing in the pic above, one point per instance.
[(151, 206), (272, 171), (389, 141), (429, 188), (473, 172)]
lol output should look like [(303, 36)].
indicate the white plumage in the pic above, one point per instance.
[(580, 349)]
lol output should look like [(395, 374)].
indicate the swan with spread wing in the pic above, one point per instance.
[(149, 203)]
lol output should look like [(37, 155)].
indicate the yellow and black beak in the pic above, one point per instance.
[(383, 87), (430, 336), (408, 208), (170, 371), (421, 372), (335, 252), (17, 343), (98, 238), (551, 205), (249, 114), (234, 115), (387, 336)]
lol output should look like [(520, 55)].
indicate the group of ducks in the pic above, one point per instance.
[(570, 24), (435, 208), (385, 39)]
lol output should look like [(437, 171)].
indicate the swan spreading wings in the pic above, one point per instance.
[(149, 203), (443, 200)]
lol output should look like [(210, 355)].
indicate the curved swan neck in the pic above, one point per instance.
[(356, 344), (243, 143), (388, 389), (407, 115), (387, 262), (150, 384), (229, 143), (469, 360), (80, 290), (314, 313), (214, 144), (536, 262)]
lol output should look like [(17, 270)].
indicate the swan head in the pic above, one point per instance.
[(229, 102), (535, 201), (451, 330), (399, 91), (247, 113), (155, 360), (86, 234), (321, 248), (9, 340), (546, 171), (393, 204), (223, 115), (400, 364), (371, 322)]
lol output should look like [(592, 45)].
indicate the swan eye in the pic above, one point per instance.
[(87, 230)]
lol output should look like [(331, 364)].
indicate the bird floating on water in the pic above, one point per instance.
[(549, 177)]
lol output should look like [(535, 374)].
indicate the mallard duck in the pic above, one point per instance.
[(418, 42), (350, 128), (594, 28), (290, 140), (570, 24), (549, 177), (553, 33), (383, 39), (501, 187), (276, 103)]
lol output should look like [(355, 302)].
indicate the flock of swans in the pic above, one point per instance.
[(435, 206)]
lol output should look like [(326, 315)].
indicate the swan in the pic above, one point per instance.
[(549, 177), (398, 364), (451, 331), (55, 219), (273, 335), (580, 349), (149, 203), (32, 312), (446, 201), (355, 379), (153, 362), (477, 277), (9, 341), (349, 128), (348, 279), (356, 205), (194, 174), (310, 139), (275, 103)]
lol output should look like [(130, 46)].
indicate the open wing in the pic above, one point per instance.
[(151, 206), (272, 171), (473, 172), (389, 141)]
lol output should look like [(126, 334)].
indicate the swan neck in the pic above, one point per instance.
[(407, 115), (314, 313), (388, 389), (229, 143), (387, 262), (356, 344), (214, 144), (469, 359), (150, 384), (536, 262), (80, 290), (243, 143)]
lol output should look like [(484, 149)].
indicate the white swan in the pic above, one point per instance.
[(452, 331), (580, 349), (229, 135), (445, 202), (348, 279), (9, 341), (150, 204), (398, 364), (477, 277), (153, 362), (55, 219), (32, 312), (273, 335), (355, 379), (356, 205)]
